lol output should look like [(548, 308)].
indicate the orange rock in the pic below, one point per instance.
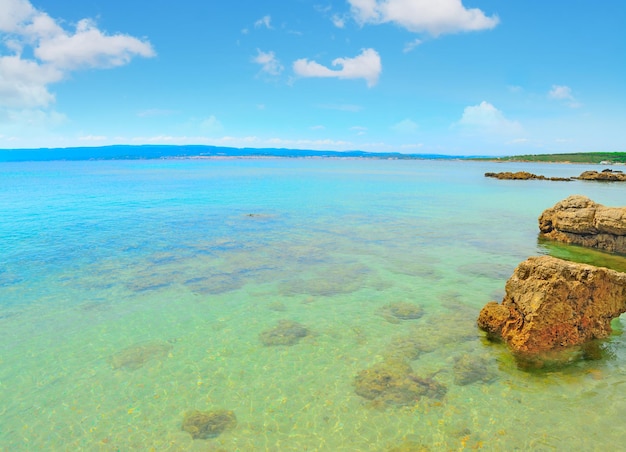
[(551, 304)]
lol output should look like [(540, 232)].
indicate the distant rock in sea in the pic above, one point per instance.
[(606, 175), (524, 175), (580, 221)]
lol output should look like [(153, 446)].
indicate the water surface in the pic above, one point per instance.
[(132, 292)]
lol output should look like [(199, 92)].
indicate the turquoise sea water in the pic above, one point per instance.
[(132, 292)]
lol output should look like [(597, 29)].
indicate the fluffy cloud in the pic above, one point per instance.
[(265, 21), (563, 93), (269, 63), (486, 118), (212, 125), (435, 17), (56, 52), (405, 126), (367, 66)]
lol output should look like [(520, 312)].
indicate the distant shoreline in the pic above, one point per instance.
[(200, 152)]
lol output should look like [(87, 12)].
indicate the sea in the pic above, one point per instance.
[(293, 304)]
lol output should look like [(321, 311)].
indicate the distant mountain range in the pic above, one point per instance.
[(122, 152)]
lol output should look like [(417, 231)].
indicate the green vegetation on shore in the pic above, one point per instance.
[(581, 157)]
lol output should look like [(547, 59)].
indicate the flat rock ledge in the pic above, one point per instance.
[(580, 221), (524, 175), (552, 304), (606, 175)]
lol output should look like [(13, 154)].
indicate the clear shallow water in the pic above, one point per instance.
[(132, 292)]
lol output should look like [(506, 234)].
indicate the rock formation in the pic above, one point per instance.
[(607, 175), (551, 304), (581, 221), (524, 175)]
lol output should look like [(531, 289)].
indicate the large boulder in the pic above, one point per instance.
[(551, 304), (581, 221)]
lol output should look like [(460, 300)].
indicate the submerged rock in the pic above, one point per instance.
[(470, 369), (287, 332), (552, 304), (580, 221), (393, 382), (208, 424), (134, 357), (401, 310)]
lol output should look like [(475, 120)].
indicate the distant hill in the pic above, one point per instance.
[(122, 152), (582, 157)]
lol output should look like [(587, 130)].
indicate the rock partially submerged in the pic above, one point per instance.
[(607, 175), (524, 175), (580, 221), (552, 304)]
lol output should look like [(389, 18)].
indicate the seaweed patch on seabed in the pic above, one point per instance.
[(400, 310), (394, 382), (208, 424), (136, 356), (287, 332), (215, 284), (473, 368), (335, 281)]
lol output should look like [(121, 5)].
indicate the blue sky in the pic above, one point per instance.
[(480, 77)]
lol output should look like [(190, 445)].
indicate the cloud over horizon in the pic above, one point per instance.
[(485, 118), (367, 66), (435, 17)]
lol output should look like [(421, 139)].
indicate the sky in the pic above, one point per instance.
[(456, 77)]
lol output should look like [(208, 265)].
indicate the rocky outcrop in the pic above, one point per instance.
[(607, 175), (523, 175), (581, 221), (551, 304)]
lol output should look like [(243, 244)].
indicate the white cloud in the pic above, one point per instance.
[(32, 117), (338, 21), (360, 130), (411, 45), (212, 124), (269, 63), (89, 47), (563, 93), (405, 126), (367, 66), (265, 21), (486, 118), (435, 17), (24, 81), (97, 138)]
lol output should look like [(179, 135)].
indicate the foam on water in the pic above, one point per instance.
[(132, 292)]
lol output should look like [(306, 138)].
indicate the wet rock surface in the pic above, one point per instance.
[(579, 220), (552, 304)]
